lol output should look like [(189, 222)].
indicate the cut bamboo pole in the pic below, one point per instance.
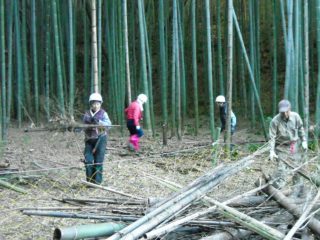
[(302, 218), (124, 218), (313, 223), (12, 187), (175, 224), (109, 189), (192, 192)]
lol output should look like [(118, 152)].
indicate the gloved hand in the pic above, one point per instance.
[(273, 155), (304, 145), (94, 120), (138, 127)]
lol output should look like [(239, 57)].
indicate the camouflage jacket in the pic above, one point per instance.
[(284, 132)]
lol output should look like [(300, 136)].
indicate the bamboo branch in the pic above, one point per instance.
[(109, 189)]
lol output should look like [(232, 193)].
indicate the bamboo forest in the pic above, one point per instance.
[(134, 95)]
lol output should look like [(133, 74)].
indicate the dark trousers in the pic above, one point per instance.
[(132, 128), (94, 156)]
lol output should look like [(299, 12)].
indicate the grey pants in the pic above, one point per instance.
[(288, 152)]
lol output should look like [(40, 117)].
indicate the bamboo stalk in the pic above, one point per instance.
[(12, 187), (126, 45), (35, 60), (175, 224), (302, 218), (251, 76), (109, 189), (192, 192), (3, 119), (194, 66), (128, 218), (209, 68), (313, 223), (229, 75), (94, 46)]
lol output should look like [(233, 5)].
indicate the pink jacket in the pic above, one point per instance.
[(134, 112)]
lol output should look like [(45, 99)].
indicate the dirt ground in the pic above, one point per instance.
[(50, 169)]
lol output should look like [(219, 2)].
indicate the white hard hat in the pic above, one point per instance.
[(142, 98), (95, 97), (221, 98)]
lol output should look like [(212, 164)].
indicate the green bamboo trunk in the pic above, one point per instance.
[(143, 60), (10, 19), (19, 83), (48, 62), (317, 107), (195, 66), (275, 60), (3, 118), (24, 43), (58, 59), (210, 80), (71, 61), (163, 64), (35, 59)]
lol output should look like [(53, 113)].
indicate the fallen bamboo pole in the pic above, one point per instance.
[(313, 223), (302, 218), (124, 218), (194, 191), (176, 224), (107, 200), (300, 170), (229, 233), (86, 231), (12, 187), (109, 189)]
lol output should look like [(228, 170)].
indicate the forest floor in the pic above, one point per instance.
[(51, 169)]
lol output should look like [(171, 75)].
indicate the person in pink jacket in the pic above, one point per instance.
[(134, 115)]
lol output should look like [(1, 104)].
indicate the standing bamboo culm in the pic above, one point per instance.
[(229, 71), (275, 60), (210, 86), (126, 45), (48, 61), (10, 17), (71, 61), (58, 58), (94, 46), (19, 77), (143, 59), (194, 65), (306, 66), (317, 107), (163, 64), (3, 119), (35, 58)]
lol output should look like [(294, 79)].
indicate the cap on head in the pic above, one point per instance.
[(220, 98), (284, 105), (142, 98), (95, 97)]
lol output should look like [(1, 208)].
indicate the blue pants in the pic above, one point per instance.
[(94, 156)]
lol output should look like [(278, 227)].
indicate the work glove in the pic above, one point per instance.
[(273, 155), (138, 127), (94, 120), (304, 145)]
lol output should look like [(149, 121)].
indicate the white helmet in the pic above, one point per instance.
[(221, 99), (95, 97), (142, 98)]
